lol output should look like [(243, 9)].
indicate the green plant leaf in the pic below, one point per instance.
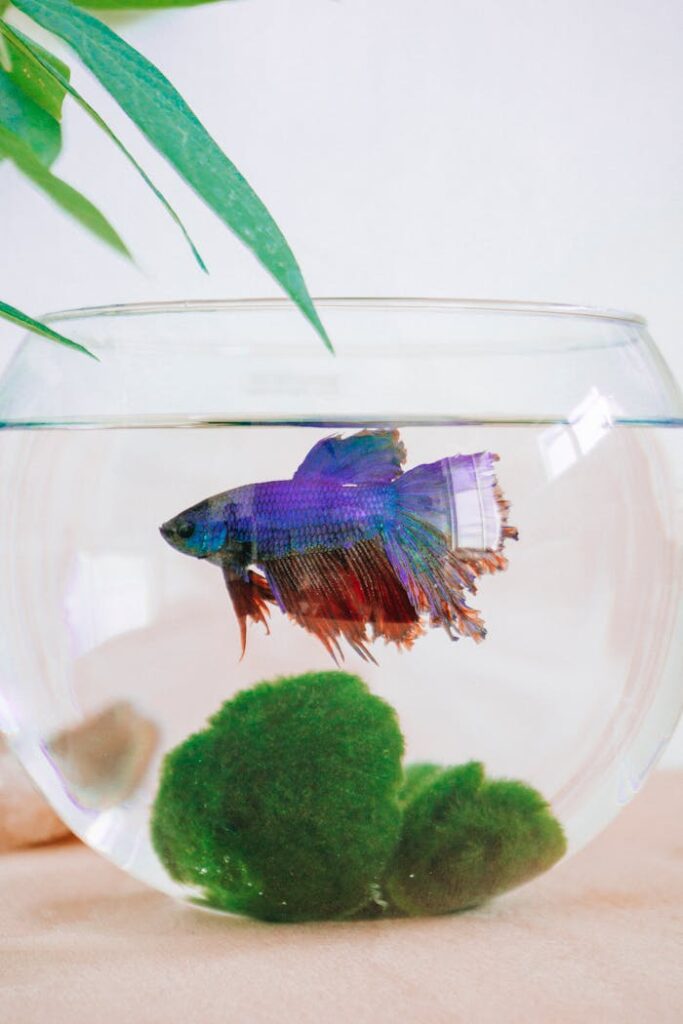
[(156, 107), (15, 316), (63, 194), (23, 117), (130, 5), (37, 83), (30, 49)]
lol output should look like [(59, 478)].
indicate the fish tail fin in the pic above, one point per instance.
[(450, 528), (250, 594), (435, 579), (460, 498)]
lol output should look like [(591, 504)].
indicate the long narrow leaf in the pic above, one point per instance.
[(70, 200), (5, 59), (34, 82), (130, 5), (28, 47), (15, 316), (159, 111), (20, 115)]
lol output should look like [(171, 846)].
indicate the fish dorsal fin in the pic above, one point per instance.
[(371, 456)]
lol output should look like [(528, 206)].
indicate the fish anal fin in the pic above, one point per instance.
[(350, 593), (316, 591), (369, 456), (389, 610)]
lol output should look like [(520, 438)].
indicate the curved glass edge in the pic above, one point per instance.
[(388, 371), (528, 307)]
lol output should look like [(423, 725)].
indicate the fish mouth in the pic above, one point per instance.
[(166, 531)]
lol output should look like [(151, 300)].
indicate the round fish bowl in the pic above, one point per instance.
[(373, 634)]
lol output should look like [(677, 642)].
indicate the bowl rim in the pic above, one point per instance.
[(508, 306)]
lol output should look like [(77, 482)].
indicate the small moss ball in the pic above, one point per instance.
[(466, 838), (416, 778), (286, 806)]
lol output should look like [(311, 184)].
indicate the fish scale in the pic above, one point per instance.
[(289, 518)]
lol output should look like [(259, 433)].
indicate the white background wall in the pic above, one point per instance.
[(442, 147)]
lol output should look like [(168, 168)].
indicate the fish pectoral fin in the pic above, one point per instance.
[(250, 594)]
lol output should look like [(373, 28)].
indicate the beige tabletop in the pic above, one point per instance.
[(599, 939)]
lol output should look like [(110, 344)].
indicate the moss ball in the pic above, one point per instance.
[(286, 806), (416, 778), (466, 838)]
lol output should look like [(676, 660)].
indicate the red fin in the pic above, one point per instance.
[(388, 607), (328, 602), (509, 532), (344, 593), (250, 595)]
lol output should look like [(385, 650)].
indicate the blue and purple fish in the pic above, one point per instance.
[(354, 547)]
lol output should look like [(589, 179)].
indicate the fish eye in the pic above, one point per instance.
[(185, 529)]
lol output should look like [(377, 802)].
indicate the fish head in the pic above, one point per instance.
[(200, 531)]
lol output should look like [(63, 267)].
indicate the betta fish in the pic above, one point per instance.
[(354, 547)]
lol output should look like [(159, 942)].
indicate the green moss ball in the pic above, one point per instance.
[(466, 838), (416, 778), (286, 806)]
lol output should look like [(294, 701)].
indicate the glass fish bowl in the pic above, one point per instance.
[(375, 634)]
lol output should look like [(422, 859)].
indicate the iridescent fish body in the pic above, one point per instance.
[(352, 546)]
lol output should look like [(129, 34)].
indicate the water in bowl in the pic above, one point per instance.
[(114, 634)]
